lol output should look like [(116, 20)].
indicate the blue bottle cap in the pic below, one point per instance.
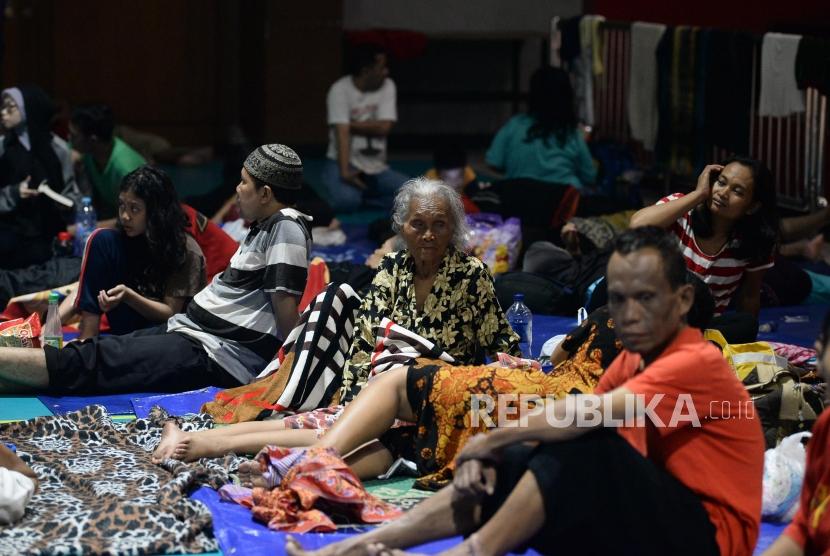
[(518, 297)]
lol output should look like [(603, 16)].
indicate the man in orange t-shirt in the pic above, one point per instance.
[(684, 478), (688, 481)]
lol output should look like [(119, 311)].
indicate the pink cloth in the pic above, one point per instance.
[(796, 355), (303, 483)]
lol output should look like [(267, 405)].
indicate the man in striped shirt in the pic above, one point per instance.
[(231, 329)]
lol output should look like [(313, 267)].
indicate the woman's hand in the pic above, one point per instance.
[(704, 181), (109, 300)]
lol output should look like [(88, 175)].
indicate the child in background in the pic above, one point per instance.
[(147, 269), (17, 485)]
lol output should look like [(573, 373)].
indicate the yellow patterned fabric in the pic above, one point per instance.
[(441, 397), (461, 314), (591, 349)]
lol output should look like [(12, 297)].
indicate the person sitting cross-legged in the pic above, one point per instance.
[(432, 289), (232, 328), (683, 479), (146, 270)]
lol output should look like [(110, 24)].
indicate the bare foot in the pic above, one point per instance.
[(348, 547), (251, 475), (380, 549), (171, 437)]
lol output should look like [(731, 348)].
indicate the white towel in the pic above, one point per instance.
[(16, 490), (780, 95), (642, 82)]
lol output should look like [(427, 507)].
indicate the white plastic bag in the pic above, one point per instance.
[(784, 468)]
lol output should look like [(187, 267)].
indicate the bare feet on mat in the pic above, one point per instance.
[(379, 549), (171, 439), (348, 547)]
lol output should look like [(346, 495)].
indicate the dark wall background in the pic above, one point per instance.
[(187, 69), (183, 68), (749, 15)]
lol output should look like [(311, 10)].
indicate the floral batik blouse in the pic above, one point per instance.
[(461, 313)]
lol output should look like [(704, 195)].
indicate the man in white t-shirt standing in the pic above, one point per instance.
[(361, 111)]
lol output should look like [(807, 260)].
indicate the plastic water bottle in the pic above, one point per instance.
[(52, 332), (85, 223), (521, 321)]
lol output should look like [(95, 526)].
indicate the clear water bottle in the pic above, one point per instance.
[(521, 321), (52, 332), (85, 223)]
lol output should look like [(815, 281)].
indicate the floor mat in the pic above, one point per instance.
[(174, 404), (358, 245), (116, 404), (398, 491), (799, 325), (99, 492), (239, 534), (769, 532), (546, 327), (19, 408), (138, 404)]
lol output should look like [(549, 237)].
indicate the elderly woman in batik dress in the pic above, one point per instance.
[(432, 288)]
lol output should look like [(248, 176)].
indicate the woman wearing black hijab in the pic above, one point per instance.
[(31, 155)]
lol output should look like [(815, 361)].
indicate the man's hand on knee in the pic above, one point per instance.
[(475, 478)]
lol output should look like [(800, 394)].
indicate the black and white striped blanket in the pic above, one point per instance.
[(321, 342)]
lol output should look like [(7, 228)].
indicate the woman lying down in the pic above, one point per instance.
[(436, 398)]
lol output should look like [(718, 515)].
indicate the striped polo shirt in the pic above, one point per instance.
[(723, 271), (233, 317)]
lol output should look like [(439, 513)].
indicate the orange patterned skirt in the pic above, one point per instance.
[(441, 397)]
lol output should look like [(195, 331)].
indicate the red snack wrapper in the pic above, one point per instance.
[(21, 332)]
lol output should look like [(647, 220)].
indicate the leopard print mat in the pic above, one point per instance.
[(99, 492)]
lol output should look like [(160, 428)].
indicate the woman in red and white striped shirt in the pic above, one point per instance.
[(727, 227)]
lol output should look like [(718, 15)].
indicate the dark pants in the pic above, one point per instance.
[(737, 327), (17, 251), (150, 360), (603, 497), (106, 266), (57, 271)]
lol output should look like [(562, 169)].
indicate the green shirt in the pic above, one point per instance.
[(107, 184), (568, 164)]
